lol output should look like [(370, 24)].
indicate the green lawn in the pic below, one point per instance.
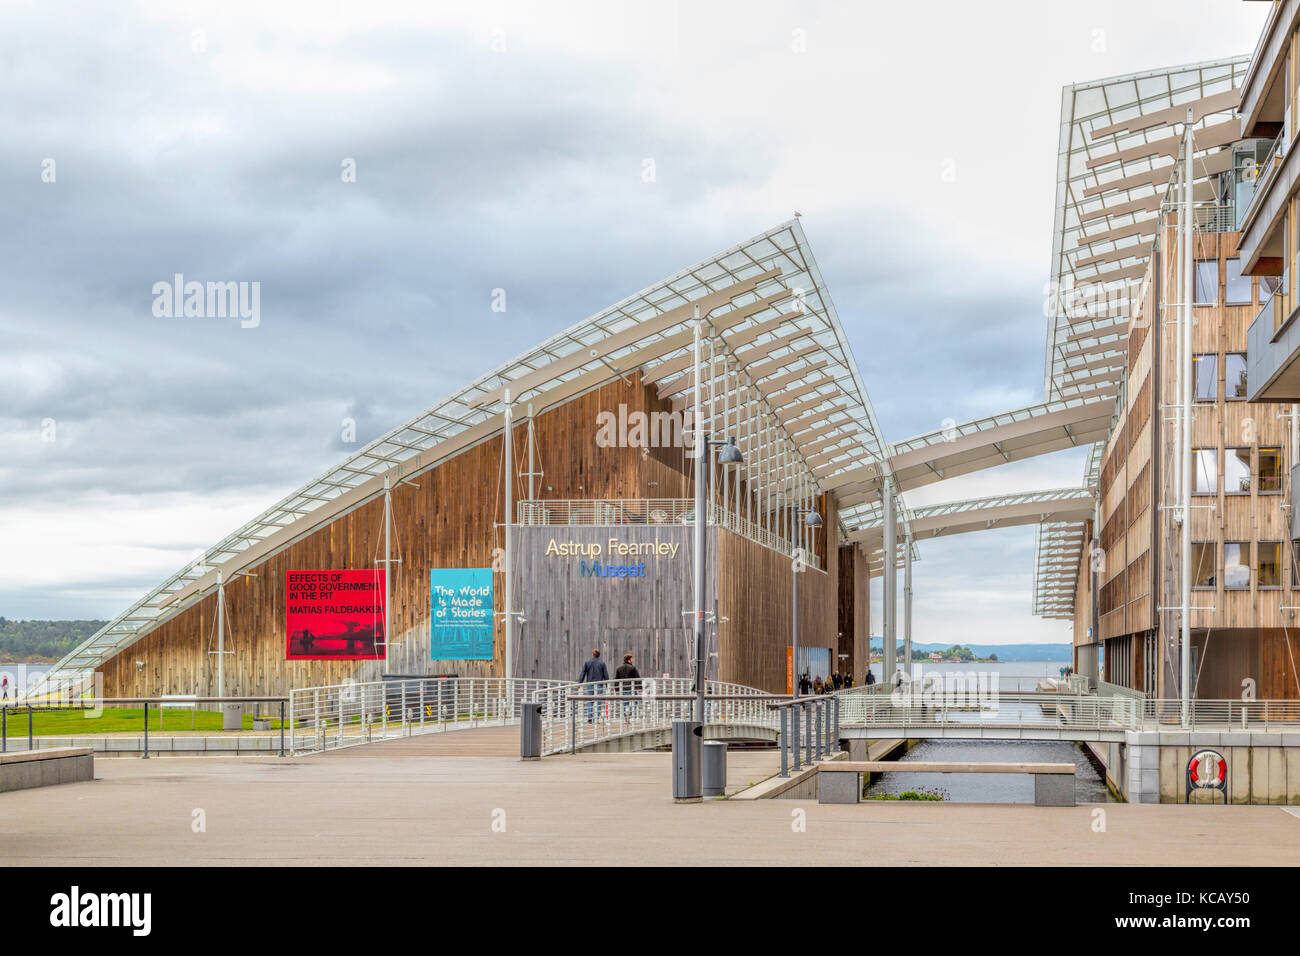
[(66, 723)]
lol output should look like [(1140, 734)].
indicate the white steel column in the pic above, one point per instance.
[(907, 605), (510, 506), (701, 448), (388, 564), (221, 639), (1185, 373), (890, 628)]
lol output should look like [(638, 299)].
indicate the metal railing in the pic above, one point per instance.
[(576, 716), (1269, 167), (819, 738), (1106, 689), (919, 710), (350, 713), (99, 704), (1215, 217), (650, 511)]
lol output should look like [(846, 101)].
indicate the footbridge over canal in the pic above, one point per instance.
[(637, 715)]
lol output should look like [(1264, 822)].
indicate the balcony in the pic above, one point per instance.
[(1263, 219), (1262, 98), (1273, 351)]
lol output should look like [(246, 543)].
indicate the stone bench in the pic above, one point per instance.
[(23, 769), (839, 781)]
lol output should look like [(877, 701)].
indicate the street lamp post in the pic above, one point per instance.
[(813, 520), (730, 455)]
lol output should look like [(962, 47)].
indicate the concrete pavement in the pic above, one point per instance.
[(415, 808)]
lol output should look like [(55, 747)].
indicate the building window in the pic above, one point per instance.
[(1203, 564), (1270, 471), (1237, 290), (1207, 377), (1236, 572), (1236, 471), (1205, 462), (1207, 282), (1234, 377), (1268, 564)]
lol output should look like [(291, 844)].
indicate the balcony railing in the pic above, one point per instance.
[(1266, 171), (1215, 218), (651, 511), (1275, 308)]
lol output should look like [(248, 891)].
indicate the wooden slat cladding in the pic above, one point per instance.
[(854, 610), (755, 599), (454, 519)]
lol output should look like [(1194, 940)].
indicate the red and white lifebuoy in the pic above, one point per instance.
[(1213, 762)]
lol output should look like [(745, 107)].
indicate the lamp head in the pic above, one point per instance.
[(730, 454), (812, 519)]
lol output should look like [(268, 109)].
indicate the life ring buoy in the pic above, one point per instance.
[(1216, 764)]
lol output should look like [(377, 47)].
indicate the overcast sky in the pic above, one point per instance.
[(502, 146)]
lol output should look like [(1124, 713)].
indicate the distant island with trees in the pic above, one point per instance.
[(42, 642), (979, 653)]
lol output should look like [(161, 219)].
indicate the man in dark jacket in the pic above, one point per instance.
[(593, 673), (871, 678), (805, 685), (627, 672)]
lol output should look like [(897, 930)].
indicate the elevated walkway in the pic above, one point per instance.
[(982, 514)]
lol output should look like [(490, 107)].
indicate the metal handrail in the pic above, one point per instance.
[(580, 715), (1072, 711), (343, 715), (96, 703)]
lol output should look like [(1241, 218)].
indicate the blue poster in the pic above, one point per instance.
[(460, 614)]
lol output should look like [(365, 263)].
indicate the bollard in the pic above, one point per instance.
[(530, 731), (836, 739), (785, 742), (821, 730), (794, 737), (808, 732), (686, 761), (145, 755), (281, 728), (29, 726), (714, 761)]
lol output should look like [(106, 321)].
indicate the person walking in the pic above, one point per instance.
[(4, 687), (870, 678), (594, 673), (848, 680), (818, 687), (837, 681), (805, 685), (627, 672)]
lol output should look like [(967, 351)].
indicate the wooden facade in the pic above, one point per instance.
[(454, 519), (1240, 625)]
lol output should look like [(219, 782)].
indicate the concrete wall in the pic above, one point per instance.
[(1152, 767), (44, 768)]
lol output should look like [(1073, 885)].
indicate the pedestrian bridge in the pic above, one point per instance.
[(625, 716)]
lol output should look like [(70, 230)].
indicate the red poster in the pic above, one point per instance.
[(334, 615)]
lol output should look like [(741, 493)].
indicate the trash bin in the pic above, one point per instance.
[(232, 716), (530, 731), (686, 760), (715, 768)]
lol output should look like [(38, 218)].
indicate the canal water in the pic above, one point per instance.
[(1013, 676), (992, 787)]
